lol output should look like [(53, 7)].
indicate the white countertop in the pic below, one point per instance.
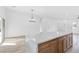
[(43, 37)]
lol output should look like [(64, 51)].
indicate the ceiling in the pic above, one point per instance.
[(51, 12)]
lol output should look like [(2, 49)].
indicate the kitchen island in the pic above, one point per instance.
[(54, 43)]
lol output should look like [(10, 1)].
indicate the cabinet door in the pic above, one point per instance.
[(68, 41), (60, 48), (54, 46), (65, 44), (62, 44), (71, 40)]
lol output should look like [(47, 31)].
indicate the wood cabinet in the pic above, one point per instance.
[(60, 46), (71, 40), (57, 45), (68, 41), (44, 47), (54, 46), (65, 42), (48, 47)]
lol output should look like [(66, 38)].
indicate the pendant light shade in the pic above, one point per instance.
[(32, 18)]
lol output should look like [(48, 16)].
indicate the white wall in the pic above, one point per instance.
[(49, 25), (2, 11), (54, 25), (16, 24)]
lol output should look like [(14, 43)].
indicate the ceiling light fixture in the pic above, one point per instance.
[(35, 18), (32, 19)]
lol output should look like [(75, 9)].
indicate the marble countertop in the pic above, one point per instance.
[(43, 37)]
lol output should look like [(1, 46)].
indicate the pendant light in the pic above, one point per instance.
[(32, 18), (35, 18)]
